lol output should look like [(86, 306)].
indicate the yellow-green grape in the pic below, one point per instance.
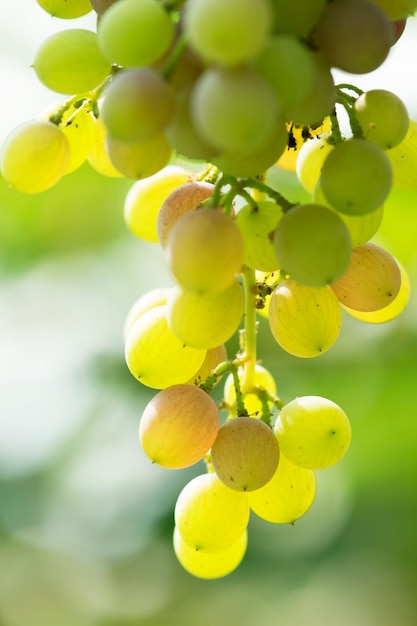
[(355, 36), (299, 135), (403, 159), (209, 565), (66, 9), (140, 159), (145, 198), (305, 321), (361, 227), (356, 176), (137, 104), (245, 454), (205, 320), (392, 310), (313, 432), (312, 245), (372, 280), (310, 160), (214, 357), (266, 279), (155, 356), (34, 156), (257, 223), (183, 199), (70, 62), (288, 495), (382, 116), (205, 251), (210, 516), (227, 34), (178, 426), (133, 34), (262, 381), (234, 110), (149, 300), (98, 157)]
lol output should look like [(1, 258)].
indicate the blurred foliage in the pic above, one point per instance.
[(86, 521)]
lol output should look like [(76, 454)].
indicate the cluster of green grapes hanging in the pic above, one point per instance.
[(239, 87)]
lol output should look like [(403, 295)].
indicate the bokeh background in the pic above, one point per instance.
[(85, 520)]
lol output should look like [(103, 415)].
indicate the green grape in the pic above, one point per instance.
[(98, 157), (319, 101), (312, 244), (145, 198), (361, 227), (178, 426), (257, 223), (389, 312), (145, 302), (234, 110), (372, 280), (293, 81), (313, 432), (403, 159), (245, 454), (244, 163), (183, 199), (205, 320), (34, 156), (355, 36), (181, 131), (214, 357), (137, 105), (66, 9), (297, 18), (227, 34), (288, 495), (210, 516), (209, 565), (383, 117), (262, 381), (397, 9), (311, 157), (356, 176), (132, 33), (155, 356), (205, 251), (139, 160), (304, 321), (70, 62)]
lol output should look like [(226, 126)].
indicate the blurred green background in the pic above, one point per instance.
[(85, 520)]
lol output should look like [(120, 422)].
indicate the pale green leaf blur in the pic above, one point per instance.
[(86, 520)]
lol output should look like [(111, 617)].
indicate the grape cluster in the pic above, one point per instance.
[(234, 89)]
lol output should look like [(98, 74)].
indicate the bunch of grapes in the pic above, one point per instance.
[(235, 89)]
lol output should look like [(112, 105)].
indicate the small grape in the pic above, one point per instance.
[(313, 432), (70, 62), (257, 224), (245, 454), (311, 157), (312, 244), (305, 321), (209, 565), (287, 496), (372, 280), (141, 159), (210, 516), (382, 116), (178, 426), (205, 251)]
